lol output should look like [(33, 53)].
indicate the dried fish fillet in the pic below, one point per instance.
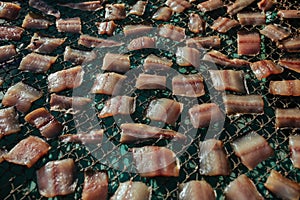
[(57, 178), (210, 5), (9, 10), (242, 188), (285, 88), (196, 23), (138, 8), (116, 62), (93, 137), (172, 32), (294, 145), (21, 96), (115, 12), (35, 21), (178, 5), (65, 79), (77, 56), (290, 63), (213, 159), (265, 5), (224, 24), (265, 68), (7, 52), (118, 105), (136, 30), (188, 85), (204, 42), (194, 190), (108, 83), (149, 82), (45, 122), (91, 42), (44, 7), (84, 6), (153, 63), (248, 104), (290, 45), (164, 110), (228, 80), (132, 190), (205, 114), (238, 5), (107, 28), (163, 14), (221, 59), (252, 149), (136, 133), (68, 104), (289, 117), (9, 123), (289, 14), (254, 18), (95, 185), (37, 63), (248, 43), (70, 25), (152, 161), (43, 44), (28, 151), (142, 43), (282, 187), (187, 56), (11, 33), (275, 33)]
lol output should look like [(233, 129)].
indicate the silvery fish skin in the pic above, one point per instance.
[(153, 161), (115, 12), (195, 190), (187, 56), (92, 137), (275, 33), (28, 151), (119, 63), (21, 96), (252, 149), (107, 28), (70, 25), (204, 42), (135, 30), (91, 42), (282, 187), (254, 18), (172, 32), (196, 23), (221, 59), (242, 188), (77, 56), (11, 33), (238, 5), (57, 178), (132, 190), (95, 185), (290, 63), (153, 63), (45, 122), (142, 43), (9, 121), (44, 7)]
